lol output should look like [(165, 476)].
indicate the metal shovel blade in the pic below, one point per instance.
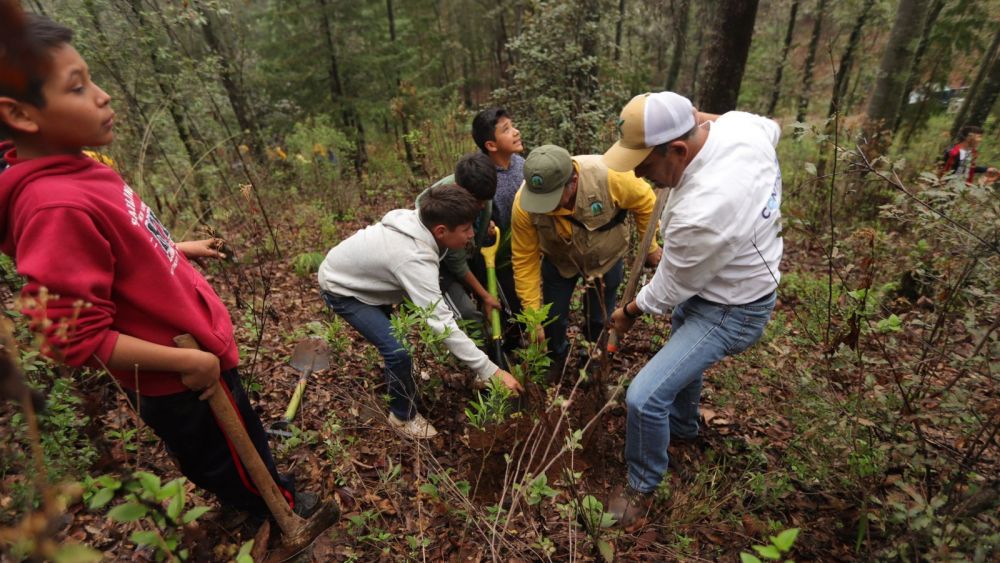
[(311, 354), (308, 356)]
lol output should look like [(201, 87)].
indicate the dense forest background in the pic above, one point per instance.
[(866, 419)]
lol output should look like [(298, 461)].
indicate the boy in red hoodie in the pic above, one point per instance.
[(106, 285)]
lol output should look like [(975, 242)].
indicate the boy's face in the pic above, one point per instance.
[(77, 112), (507, 139), (454, 239)]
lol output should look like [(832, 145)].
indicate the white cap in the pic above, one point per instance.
[(646, 121)]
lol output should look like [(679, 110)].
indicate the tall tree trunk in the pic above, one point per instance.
[(885, 101), (132, 103), (789, 34), (699, 42), (982, 104), (403, 117), (918, 57), (348, 114), (585, 78), (618, 30), (972, 106), (841, 78), (467, 80), (500, 44), (234, 91), (184, 133), (843, 73), (807, 72), (445, 59), (680, 10), (727, 53)]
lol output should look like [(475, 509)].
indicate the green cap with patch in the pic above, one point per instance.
[(546, 171)]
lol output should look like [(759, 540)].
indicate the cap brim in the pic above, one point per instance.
[(622, 159), (540, 203)]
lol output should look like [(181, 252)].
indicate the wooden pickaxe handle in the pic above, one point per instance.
[(225, 413), (632, 287)]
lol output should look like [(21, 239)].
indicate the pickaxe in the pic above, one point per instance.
[(297, 532)]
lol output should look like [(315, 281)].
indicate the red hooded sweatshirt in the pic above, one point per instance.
[(74, 227)]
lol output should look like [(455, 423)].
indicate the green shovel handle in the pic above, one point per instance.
[(293, 405)]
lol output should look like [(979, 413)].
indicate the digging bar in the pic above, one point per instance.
[(632, 287), (297, 533)]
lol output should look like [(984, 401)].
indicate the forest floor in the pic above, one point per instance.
[(758, 468)]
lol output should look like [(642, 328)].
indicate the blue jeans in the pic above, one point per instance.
[(663, 398), (598, 305), (373, 323)]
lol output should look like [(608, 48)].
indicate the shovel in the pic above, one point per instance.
[(308, 356), (490, 258), (297, 533)]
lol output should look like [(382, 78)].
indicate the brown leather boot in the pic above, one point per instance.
[(629, 506)]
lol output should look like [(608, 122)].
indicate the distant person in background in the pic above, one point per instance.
[(960, 158)]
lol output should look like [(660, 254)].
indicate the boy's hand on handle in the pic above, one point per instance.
[(620, 322), (204, 248), (510, 381), (200, 373), (489, 304)]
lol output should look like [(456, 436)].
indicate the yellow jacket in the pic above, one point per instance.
[(625, 190)]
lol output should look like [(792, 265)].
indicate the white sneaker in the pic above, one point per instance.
[(417, 427)]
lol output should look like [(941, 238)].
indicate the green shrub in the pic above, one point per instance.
[(307, 263)]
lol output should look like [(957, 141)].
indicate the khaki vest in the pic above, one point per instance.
[(590, 251)]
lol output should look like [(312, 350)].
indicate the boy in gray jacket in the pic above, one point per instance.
[(398, 257)]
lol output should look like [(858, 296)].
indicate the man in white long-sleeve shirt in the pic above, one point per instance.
[(719, 271)]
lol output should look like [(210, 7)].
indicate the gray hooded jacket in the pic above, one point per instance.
[(393, 259)]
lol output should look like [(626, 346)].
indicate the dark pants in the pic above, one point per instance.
[(205, 456), (599, 303), (458, 300), (373, 324)]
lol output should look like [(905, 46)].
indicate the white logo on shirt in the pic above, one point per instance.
[(144, 216)]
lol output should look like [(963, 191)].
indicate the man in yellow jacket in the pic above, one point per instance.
[(569, 222)]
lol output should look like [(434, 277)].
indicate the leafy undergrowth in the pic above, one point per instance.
[(866, 418)]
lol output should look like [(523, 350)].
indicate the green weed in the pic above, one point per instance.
[(160, 507), (307, 263)]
